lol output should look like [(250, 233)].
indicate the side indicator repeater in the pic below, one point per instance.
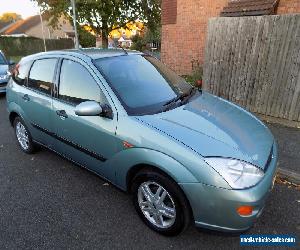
[(126, 144)]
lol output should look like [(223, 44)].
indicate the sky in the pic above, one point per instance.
[(25, 8)]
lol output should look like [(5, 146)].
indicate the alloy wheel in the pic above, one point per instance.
[(156, 204), (22, 135)]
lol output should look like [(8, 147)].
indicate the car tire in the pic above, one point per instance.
[(23, 136), (155, 212)]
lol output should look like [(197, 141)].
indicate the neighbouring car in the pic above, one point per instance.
[(4, 72), (184, 154)]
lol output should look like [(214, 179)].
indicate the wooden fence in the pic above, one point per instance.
[(255, 62)]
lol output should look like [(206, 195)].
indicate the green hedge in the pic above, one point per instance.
[(23, 46)]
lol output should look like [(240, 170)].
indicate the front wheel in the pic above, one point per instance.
[(160, 203)]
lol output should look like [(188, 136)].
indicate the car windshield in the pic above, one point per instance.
[(142, 83), (2, 59)]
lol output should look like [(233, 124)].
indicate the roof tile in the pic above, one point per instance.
[(249, 8)]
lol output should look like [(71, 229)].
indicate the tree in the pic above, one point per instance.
[(151, 36), (10, 17), (86, 39), (103, 16), (138, 43)]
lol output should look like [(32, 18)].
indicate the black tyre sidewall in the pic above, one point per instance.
[(31, 145), (182, 210)]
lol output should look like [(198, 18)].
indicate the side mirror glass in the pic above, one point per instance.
[(88, 108)]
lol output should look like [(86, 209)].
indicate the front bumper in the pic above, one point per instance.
[(215, 208)]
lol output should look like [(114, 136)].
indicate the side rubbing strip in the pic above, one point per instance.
[(72, 144)]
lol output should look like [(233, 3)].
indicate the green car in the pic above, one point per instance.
[(184, 154)]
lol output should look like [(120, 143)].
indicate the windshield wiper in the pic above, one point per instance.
[(192, 91), (182, 97), (176, 99)]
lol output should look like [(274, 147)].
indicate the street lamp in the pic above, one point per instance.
[(41, 19), (74, 23)]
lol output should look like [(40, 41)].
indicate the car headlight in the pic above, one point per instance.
[(4, 77), (238, 174)]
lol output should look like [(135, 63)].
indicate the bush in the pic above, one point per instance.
[(142, 43), (195, 78), (23, 46), (86, 39), (138, 43)]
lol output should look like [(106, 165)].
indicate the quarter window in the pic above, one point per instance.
[(76, 84), (41, 75), (20, 72)]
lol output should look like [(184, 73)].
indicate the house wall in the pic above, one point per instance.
[(288, 6), (50, 33), (184, 41), (184, 34)]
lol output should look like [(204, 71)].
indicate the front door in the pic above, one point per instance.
[(88, 140)]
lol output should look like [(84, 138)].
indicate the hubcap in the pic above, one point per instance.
[(22, 135), (156, 204)]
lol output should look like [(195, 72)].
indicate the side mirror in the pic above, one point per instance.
[(88, 108), (11, 63), (92, 108)]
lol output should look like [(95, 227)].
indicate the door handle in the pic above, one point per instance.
[(26, 98), (62, 113)]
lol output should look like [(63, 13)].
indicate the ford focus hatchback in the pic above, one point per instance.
[(184, 155)]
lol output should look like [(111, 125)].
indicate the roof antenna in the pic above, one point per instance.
[(123, 50)]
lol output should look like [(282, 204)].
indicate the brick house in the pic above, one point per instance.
[(32, 26), (184, 24)]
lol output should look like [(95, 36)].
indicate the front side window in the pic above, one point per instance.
[(76, 84), (142, 83), (42, 74)]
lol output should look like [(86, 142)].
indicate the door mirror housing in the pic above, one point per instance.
[(92, 108), (88, 108)]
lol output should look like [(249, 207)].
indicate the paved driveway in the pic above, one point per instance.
[(47, 202)]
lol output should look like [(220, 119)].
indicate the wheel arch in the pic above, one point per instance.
[(12, 117), (138, 168), (15, 110), (146, 167), (127, 162)]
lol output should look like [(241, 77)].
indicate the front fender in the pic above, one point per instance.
[(126, 159)]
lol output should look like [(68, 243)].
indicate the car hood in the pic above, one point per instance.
[(3, 69), (212, 126)]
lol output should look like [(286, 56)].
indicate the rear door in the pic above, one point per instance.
[(36, 99), (88, 140)]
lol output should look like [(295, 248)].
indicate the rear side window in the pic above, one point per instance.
[(42, 74), (76, 84), (20, 72)]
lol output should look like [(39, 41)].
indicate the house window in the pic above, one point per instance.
[(169, 12)]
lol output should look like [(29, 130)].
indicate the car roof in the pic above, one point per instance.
[(92, 53)]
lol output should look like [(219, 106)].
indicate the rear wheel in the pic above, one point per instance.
[(23, 136), (160, 203)]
